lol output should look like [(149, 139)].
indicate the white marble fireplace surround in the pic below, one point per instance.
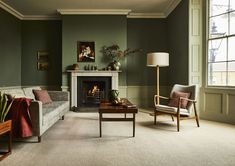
[(89, 73)]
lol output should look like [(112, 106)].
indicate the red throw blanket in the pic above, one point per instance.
[(20, 116)]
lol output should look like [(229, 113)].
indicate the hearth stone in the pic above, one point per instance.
[(85, 109)]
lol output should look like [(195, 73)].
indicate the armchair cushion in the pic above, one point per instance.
[(172, 110), (175, 99), (43, 96)]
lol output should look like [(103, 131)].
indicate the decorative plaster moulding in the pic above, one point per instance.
[(41, 17), (10, 10), (171, 6), (94, 11), (146, 15), (20, 16)]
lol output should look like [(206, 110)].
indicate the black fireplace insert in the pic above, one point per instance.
[(91, 90)]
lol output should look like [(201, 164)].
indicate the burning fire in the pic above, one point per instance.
[(94, 90)]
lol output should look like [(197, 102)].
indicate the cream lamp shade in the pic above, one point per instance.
[(160, 59)]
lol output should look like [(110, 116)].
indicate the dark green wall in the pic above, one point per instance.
[(150, 35), (41, 36), (177, 42), (103, 30), (10, 50), (21, 40), (156, 35)]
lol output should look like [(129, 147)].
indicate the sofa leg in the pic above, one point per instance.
[(62, 118), (39, 139)]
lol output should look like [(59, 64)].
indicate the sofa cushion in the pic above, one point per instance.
[(53, 109), (42, 95), (29, 92), (17, 93)]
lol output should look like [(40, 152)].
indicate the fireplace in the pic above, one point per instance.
[(76, 82), (91, 90)]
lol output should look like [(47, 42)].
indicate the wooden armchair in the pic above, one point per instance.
[(182, 108)]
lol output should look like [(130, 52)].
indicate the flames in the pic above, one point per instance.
[(94, 90)]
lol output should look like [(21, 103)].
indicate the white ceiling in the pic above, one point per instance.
[(157, 8)]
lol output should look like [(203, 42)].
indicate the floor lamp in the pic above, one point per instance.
[(158, 59)]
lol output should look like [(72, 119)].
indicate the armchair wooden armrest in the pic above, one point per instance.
[(161, 97), (183, 98)]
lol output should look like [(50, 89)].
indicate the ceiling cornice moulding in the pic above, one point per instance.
[(172, 5), (20, 16), (146, 15), (41, 17), (10, 10), (94, 11)]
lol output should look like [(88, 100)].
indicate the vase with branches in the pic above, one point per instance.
[(115, 54)]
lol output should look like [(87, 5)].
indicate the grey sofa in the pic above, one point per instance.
[(43, 116)]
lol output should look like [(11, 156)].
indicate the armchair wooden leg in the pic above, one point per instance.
[(178, 122), (197, 119), (155, 117)]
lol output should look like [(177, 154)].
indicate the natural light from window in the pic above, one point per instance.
[(221, 43)]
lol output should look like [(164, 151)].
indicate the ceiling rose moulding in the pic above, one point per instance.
[(171, 6), (10, 10), (94, 11), (146, 15)]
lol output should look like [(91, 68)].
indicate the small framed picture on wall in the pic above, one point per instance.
[(43, 60), (86, 51)]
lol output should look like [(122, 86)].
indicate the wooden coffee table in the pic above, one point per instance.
[(125, 108), (6, 128)]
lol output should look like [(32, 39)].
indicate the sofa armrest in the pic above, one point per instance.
[(36, 117), (59, 95)]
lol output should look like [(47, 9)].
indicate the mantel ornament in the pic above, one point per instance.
[(114, 54)]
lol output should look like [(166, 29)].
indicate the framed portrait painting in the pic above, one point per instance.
[(86, 51)]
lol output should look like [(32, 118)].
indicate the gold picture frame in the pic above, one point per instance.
[(43, 60), (86, 51)]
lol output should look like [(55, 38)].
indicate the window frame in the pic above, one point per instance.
[(208, 39)]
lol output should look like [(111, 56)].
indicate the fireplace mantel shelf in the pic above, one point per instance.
[(94, 71)]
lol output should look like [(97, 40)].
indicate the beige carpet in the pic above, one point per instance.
[(75, 142)]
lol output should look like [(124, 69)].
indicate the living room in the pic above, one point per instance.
[(55, 29)]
